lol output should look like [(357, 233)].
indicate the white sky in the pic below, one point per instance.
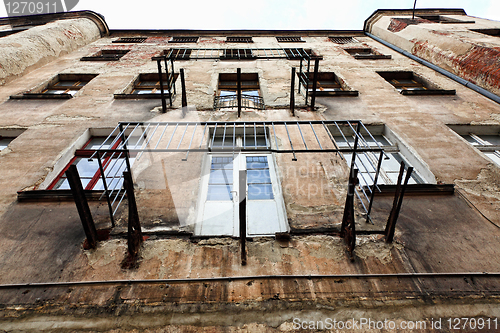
[(262, 14)]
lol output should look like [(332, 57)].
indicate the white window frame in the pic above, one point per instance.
[(256, 225)]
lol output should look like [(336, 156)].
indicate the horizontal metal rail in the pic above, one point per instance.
[(235, 53), (315, 136), (253, 277)]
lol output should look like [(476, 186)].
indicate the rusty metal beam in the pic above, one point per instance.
[(398, 202), (292, 93), (134, 234), (315, 83), (162, 90), (183, 85), (82, 205), (238, 88), (348, 228)]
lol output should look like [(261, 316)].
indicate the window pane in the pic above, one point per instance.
[(219, 192), (87, 168), (494, 157), (5, 142), (219, 176), (260, 192), (258, 176), (491, 139)]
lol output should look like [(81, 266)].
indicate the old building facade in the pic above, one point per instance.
[(242, 211)]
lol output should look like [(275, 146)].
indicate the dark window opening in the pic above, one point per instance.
[(407, 83), (489, 32), (366, 53), (328, 84), (239, 39), (146, 86), (343, 40), (60, 87), (106, 55), (290, 39), (184, 40), (442, 19), (130, 40)]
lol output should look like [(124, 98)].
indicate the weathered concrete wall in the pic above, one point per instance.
[(453, 46), (27, 50)]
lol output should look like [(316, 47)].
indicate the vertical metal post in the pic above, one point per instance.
[(106, 191), (315, 83), (162, 90), (292, 92), (398, 202), (242, 197), (356, 137), (238, 88), (414, 5), (82, 206), (183, 85), (173, 75), (134, 234), (169, 80), (379, 165)]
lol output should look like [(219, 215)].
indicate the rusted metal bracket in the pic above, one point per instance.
[(348, 229), (238, 92), (292, 93), (315, 83), (242, 198), (82, 205), (134, 234), (162, 90), (184, 95), (398, 201)]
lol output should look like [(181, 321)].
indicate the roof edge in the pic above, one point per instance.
[(230, 32), (381, 12), (40, 19)]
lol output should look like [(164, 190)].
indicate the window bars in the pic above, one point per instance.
[(235, 54), (239, 39), (290, 39), (343, 40), (184, 40), (130, 40)]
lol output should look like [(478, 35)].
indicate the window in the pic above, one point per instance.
[(227, 91), (343, 40), (106, 55), (89, 172), (130, 40), (183, 40), (489, 145), (61, 87), (408, 83), (442, 19), (290, 39), (486, 138), (4, 142), (240, 54), (328, 84), (366, 53), (489, 32), (219, 198), (178, 54), (146, 86), (239, 39), (395, 153)]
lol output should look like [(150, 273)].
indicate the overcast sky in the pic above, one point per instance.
[(262, 14)]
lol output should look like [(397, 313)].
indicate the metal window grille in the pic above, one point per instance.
[(293, 39), (184, 40), (130, 40), (239, 39), (237, 54), (286, 53), (343, 40)]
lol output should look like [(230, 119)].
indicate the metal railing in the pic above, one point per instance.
[(231, 101)]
